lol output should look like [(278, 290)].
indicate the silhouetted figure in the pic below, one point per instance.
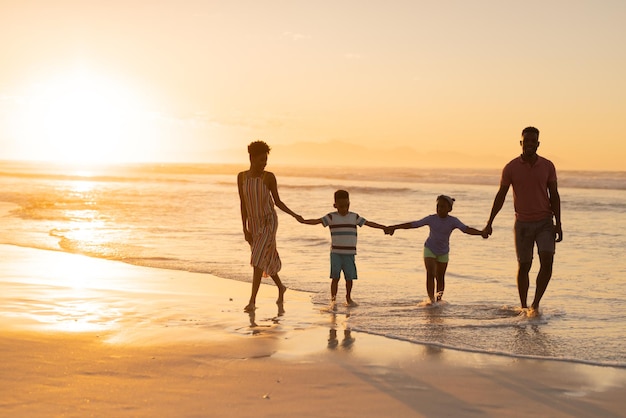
[(437, 245), (537, 206), (343, 233), (258, 193)]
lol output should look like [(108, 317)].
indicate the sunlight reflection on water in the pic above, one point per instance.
[(67, 293), (78, 315)]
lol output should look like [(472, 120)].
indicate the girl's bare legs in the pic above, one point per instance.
[(431, 271), (441, 274)]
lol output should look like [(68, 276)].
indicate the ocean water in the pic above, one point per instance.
[(186, 217)]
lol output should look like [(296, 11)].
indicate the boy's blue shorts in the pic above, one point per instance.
[(345, 262)]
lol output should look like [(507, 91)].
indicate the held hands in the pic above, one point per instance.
[(299, 218), (389, 230), (487, 231)]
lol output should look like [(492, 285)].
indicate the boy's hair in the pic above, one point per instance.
[(258, 147), (341, 194), (530, 130)]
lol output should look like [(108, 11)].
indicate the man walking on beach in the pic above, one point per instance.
[(536, 201)]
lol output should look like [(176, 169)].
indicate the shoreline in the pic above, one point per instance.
[(243, 287), (90, 336), (506, 355)]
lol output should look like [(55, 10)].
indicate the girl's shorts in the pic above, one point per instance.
[(440, 258)]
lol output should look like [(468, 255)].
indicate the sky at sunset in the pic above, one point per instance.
[(408, 83)]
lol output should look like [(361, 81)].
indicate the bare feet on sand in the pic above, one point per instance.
[(281, 295)]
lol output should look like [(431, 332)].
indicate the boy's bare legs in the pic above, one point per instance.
[(281, 289), (431, 269), (349, 301), (543, 277), (334, 285), (522, 282), (257, 273)]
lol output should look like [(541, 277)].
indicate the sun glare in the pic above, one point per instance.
[(82, 117)]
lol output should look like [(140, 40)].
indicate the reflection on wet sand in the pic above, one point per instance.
[(531, 340), (275, 320), (347, 341)]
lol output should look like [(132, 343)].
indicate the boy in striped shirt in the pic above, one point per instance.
[(342, 224)]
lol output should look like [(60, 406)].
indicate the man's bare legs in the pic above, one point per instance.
[(522, 282), (543, 277), (546, 260)]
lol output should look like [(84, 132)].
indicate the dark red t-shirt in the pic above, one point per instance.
[(530, 187)]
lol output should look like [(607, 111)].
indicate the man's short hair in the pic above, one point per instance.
[(530, 130), (258, 147), (341, 194)]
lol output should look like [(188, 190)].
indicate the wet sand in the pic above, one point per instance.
[(88, 337)]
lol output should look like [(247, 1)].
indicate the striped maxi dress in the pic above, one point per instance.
[(262, 223)]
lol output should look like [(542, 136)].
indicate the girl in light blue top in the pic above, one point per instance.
[(437, 245)]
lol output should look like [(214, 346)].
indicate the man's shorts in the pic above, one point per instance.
[(529, 233), (439, 258), (342, 262)]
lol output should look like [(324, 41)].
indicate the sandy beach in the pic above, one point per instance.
[(89, 337)]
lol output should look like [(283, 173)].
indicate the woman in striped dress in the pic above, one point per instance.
[(258, 193)]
